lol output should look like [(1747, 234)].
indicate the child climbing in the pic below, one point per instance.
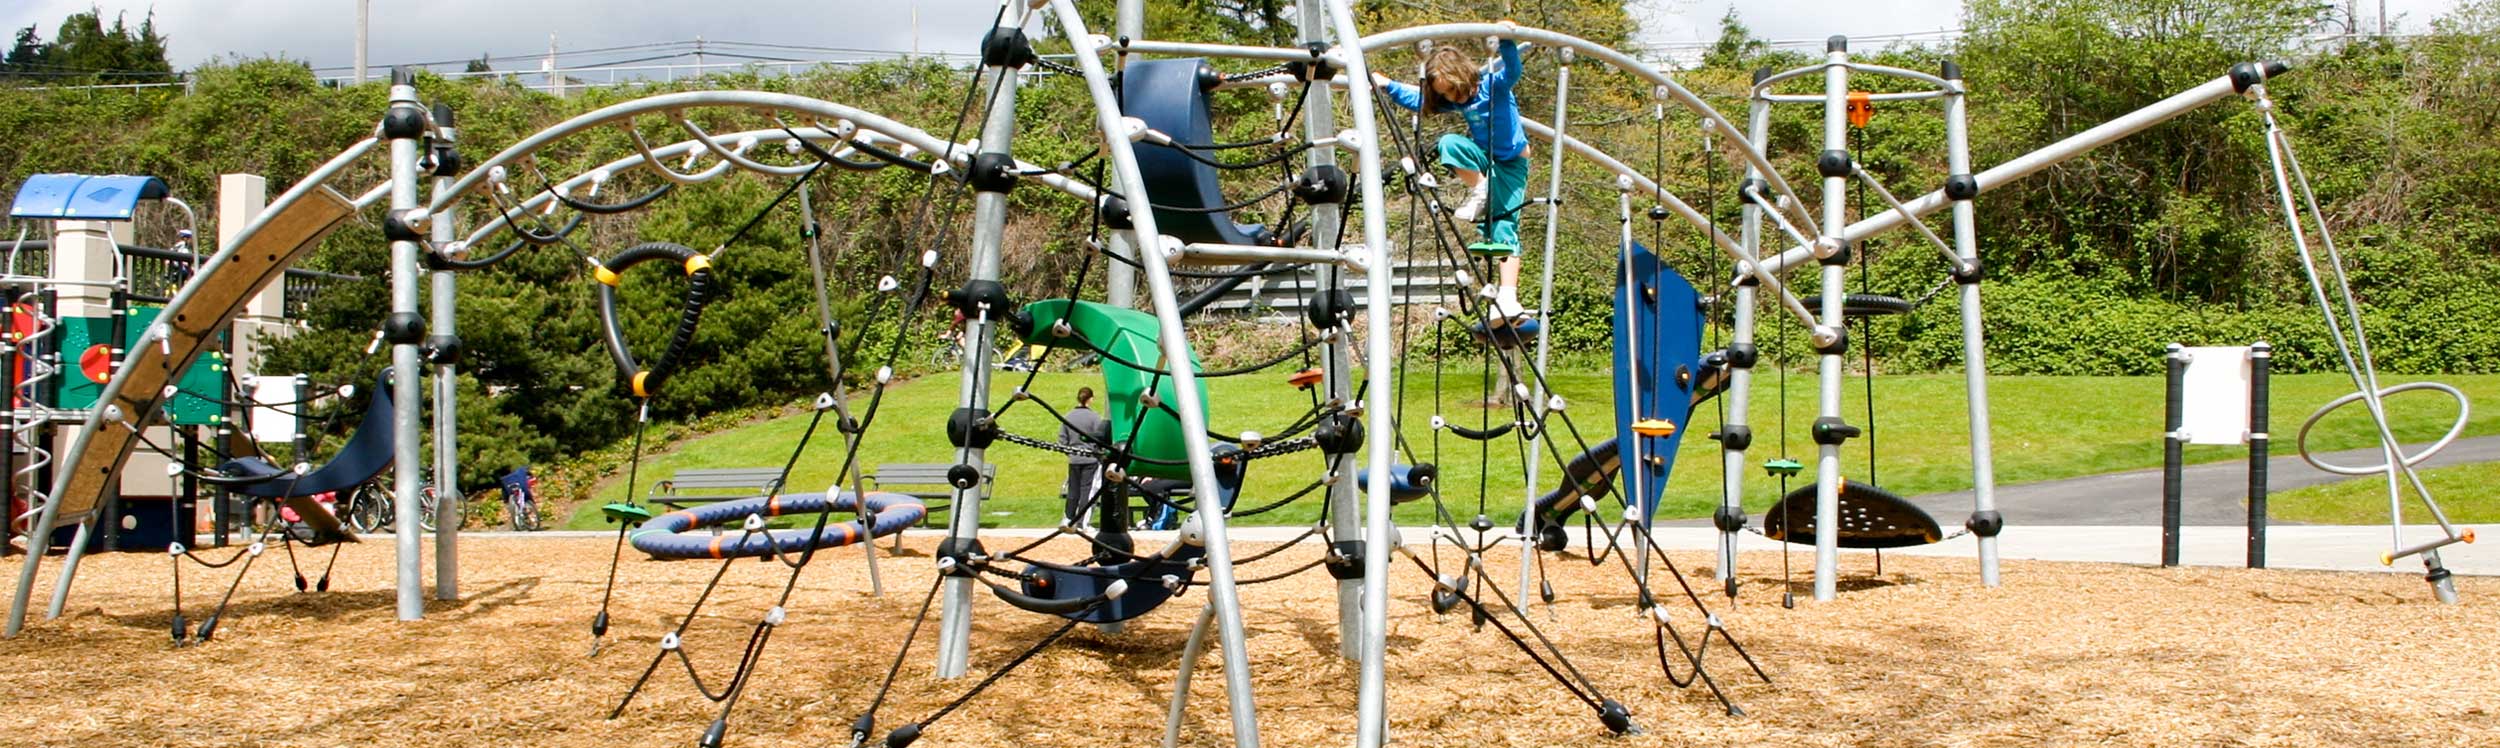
[(1492, 158)]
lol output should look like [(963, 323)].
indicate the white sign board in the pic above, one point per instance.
[(2214, 406), (273, 409)]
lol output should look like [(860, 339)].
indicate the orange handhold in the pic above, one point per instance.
[(2469, 535), (1654, 427), (1305, 378), (1861, 108)]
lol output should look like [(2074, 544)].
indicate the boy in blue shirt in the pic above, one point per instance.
[(1492, 158)]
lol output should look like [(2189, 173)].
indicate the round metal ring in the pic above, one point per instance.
[(2464, 407)]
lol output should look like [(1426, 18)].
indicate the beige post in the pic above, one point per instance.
[(241, 198)]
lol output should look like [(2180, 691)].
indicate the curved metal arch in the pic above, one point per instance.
[(913, 138), (1732, 136), (671, 104)]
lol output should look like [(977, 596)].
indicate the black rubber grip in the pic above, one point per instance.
[(690, 315)]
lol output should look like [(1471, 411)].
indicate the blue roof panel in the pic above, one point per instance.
[(84, 198)]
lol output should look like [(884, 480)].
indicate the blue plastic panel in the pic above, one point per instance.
[(1165, 94), (1665, 329), (80, 197)]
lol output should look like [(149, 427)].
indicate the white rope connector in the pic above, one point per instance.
[(1519, 390), (669, 642), (1826, 247), (256, 548), (888, 283), (496, 174), (1133, 129), (945, 564), (1563, 55), (928, 259), (1439, 423), (173, 469), (175, 549), (824, 400), (1465, 279), (1623, 183), (1252, 439), (1117, 588), (885, 374), (791, 146), (1556, 402), (1442, 312), (1824, 336), (775, 616), (754, 523), (1276, 91), (1353, 140)]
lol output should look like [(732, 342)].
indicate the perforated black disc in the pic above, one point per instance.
[(1870, 517)]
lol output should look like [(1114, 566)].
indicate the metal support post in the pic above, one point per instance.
[(445, 349), (405, 128), (1372, 702), (1835, 280), (2172, 449), (1129, 21), (813, 234), (1345, 518), (1735, 432), (2260, 370), (1545, 306), (989, 229), (1984, 522)]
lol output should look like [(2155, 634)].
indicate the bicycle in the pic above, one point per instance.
[(520, 500), (373, 508)]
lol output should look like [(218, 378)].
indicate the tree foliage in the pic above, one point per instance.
[(84, 49)]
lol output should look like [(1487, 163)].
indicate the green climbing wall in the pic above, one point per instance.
[(201, 387), (1128, 335)]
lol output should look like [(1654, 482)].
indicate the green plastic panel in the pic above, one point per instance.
[(201, 387), (1128, 335)]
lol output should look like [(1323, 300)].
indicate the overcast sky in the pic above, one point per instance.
[(322, 31)]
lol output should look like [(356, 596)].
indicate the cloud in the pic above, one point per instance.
[(323, 31)]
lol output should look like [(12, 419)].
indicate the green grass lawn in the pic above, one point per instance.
[(2045, 428), (2464, 492)]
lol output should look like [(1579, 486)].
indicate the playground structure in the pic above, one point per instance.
[(1154, 154), (82, 293)]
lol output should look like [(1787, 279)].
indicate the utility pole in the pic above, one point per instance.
[(555, 76), (364, 26)]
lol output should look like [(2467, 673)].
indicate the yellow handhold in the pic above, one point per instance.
[(1653, 427), (639, 378), (698, 263), (605, 275), (2387, 559)]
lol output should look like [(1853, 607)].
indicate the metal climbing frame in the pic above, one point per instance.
[(1838, 168)]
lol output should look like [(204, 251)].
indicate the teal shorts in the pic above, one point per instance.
[(1506, 191)]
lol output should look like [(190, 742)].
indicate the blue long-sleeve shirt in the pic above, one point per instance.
[(1492, 113)]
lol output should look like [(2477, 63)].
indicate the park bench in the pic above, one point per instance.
[(924, 480), (708, 485)]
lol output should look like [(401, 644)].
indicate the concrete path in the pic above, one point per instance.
[(2215, 493)]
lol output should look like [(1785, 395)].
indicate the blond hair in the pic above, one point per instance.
[(1447, 62)]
